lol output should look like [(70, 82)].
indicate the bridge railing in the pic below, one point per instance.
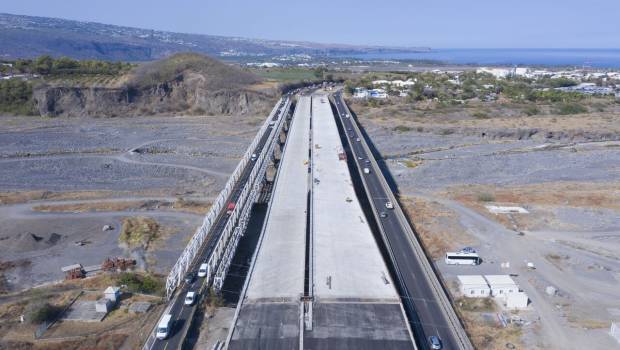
[(193, 247), (235, 228)]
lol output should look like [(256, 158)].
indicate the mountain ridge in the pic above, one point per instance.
[(30, 36)]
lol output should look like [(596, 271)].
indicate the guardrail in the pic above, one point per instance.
[(193, 247), (438, 290)]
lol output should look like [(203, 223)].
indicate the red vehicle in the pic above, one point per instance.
[(230, 208)]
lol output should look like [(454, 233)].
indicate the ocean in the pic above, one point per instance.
[(596, 58)]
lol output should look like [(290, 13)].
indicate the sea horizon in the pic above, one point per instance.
[(561, 57)]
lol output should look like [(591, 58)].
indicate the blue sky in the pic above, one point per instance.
[(434, 23)]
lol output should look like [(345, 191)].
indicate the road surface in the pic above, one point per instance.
[(425, 312)]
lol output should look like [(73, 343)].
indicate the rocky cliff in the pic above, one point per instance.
[(182, 84)]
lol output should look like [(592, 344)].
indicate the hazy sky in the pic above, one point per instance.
[(434, 23)]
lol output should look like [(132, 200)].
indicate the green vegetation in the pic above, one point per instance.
[(402, 128), (137, 283), (138, 231), (486, 197), (16, 97), (560, 82), (46, 65), (480, 115), (449, 91), (287, 74), (532, 110), (173, 68), (571, 108), (410, 163)]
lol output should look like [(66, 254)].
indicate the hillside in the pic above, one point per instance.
[(186, 83), (28, 37)]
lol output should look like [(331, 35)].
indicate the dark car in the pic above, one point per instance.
[(190, 277), (383, 215)]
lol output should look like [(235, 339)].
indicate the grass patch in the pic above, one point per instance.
[(486, 197), (532, 110), (138, 231), (571, 108), (138, 283), (192, 206), (476, 304), (286, 74), (481, 115), (402, 128), (221, 75), (410, 163)]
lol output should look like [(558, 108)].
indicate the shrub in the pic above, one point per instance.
[(40, 312), (486, 197), (16, 97), (138, 231), (532, 110), (571, 108), (402, 128), (562, 82), (481, 115), (137, 283)]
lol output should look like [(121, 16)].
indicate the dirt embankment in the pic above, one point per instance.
[(496, 122), (182, 84)]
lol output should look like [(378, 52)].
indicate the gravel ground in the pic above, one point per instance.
[(573, 247), (122, 157)]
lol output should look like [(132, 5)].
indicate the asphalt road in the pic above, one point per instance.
[(425, 314), (181, 313)]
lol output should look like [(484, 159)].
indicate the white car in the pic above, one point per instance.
[(202, 270), (190, 298), (389, 205)]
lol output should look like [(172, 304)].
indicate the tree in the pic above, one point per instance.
[(65, 63), (43, 64), (319, 71)]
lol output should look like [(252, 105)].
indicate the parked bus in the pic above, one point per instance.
[(462, 258)]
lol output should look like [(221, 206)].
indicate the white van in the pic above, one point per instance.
[(202, 271), (163, 328)]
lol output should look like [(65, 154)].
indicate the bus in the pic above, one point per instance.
[(462, 258)]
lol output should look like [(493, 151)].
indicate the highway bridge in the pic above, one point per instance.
[(337, 265), (429, 310)]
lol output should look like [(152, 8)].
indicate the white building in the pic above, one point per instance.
[(501, 285), (521, 71), (496, 72), (360, 93), (380, 82), (112, 293), (473, 286), (517, 300), (401, 83)]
